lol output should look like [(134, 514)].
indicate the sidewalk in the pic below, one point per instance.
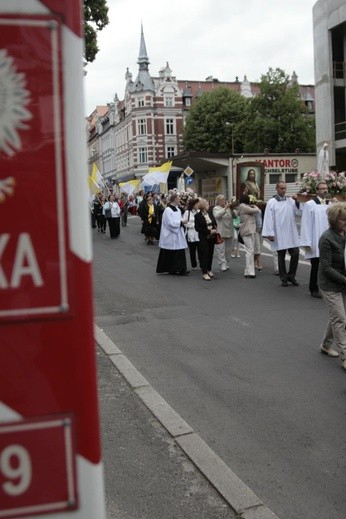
[(156, 466)]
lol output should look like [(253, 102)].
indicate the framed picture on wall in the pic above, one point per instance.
[(250, 179)]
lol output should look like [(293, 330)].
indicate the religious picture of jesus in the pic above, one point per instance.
[(250, 180)]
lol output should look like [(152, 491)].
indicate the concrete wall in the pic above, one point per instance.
[(327, 14)]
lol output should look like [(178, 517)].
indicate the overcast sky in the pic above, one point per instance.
[(200, 38)]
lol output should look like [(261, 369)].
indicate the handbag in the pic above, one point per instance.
[(218, 239), (108, 213)]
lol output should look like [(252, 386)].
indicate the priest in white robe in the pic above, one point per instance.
[(313, 224), (172, 242), (279, 226)]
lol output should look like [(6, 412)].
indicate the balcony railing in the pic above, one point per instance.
[(339, 69), (340, 131)]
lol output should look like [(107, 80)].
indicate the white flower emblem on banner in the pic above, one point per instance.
[(14, 98)]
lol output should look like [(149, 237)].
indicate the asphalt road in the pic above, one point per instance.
[(239, 360)]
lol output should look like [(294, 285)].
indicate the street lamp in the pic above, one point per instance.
[(230, 175), (232, 136)]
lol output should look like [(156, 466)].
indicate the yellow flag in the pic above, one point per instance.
[(93, 186), (165, 168)]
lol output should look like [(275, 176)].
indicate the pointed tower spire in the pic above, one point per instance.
[(143, 80), (143, 60)]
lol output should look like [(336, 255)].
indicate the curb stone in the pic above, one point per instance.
[(235, 492)]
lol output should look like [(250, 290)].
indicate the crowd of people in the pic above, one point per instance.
[(181, 221)]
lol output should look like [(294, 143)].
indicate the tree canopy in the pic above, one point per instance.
[(206, 126), (95, 19), (275, 119)]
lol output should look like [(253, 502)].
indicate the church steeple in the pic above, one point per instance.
[(143, 60), (143, 80)]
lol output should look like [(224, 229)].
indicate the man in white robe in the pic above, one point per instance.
[(279, 226), (314, 223), (172, 242)]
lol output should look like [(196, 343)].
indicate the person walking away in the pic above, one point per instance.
[(258, 241), (172, 242), (98, 210), (205, 225), (247, 230), (124, 207), (150, 220), (313, 224), (191, 233), (111, 210), (224, 214), (103, 220), (332, 281), (280, 228)]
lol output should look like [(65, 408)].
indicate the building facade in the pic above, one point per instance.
[(329, 27), (146, 128)]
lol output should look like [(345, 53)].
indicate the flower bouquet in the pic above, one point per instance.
[(309, 182), (336, 183)]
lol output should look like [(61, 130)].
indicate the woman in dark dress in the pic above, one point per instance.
[(205, 225), (150, 220)]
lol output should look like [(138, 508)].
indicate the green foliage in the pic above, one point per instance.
[(206, 128), (95, 19), (276, 118)]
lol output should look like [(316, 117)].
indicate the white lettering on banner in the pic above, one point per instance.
[(25, 262)]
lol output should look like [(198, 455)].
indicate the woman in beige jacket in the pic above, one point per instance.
[(224, 214), (247, 231)]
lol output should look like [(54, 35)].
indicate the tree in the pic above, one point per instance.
[(206, 128), (276, 119), (95, 19)]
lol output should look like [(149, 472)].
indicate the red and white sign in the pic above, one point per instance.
[(37, 467), (47, 347), (33, 271)]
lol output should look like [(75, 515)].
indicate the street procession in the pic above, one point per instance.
[(188, 229)]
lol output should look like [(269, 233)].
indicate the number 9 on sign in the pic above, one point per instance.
[(15, 467)]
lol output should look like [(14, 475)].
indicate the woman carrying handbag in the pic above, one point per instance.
[(205, 225)]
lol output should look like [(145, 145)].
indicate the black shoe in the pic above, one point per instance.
[(284, 284), (184, 272), (316, 294), (293, 281)]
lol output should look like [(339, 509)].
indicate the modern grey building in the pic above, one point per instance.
[(329, 26)]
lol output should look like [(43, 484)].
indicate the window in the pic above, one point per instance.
[(273, 179), (142, 127), (141, 101), (169, 101), (170, 151), (169, 126), (187, 101), (143, 155), (291, 177)]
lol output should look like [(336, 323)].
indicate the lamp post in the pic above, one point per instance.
[(231, 162), (232, 136)]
